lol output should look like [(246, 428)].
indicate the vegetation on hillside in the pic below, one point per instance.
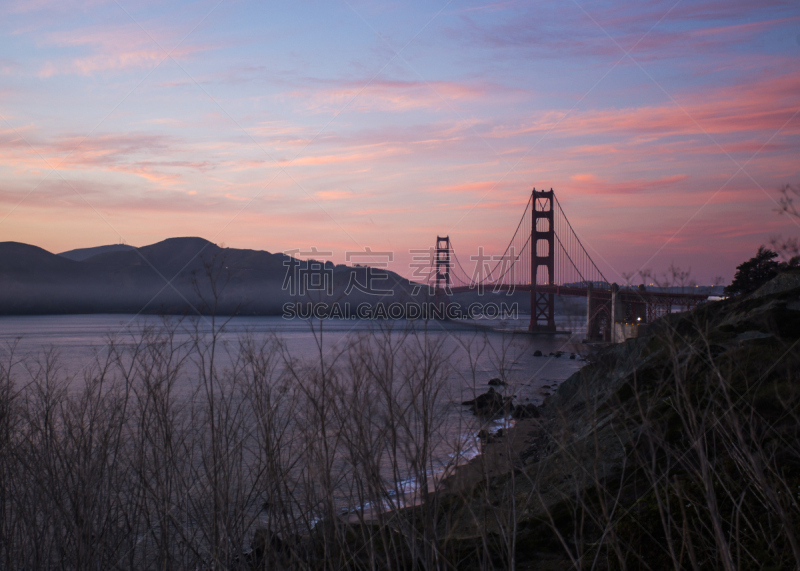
[(758, 270)]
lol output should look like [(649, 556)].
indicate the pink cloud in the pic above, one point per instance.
[(333, 194), (113, 49), (591, 184), (567, 29), (353, 155), (584, 177), (765, 105), (386, 95), (481, 187), (160, 160)]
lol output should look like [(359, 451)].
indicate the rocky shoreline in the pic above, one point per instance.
[(586, 435), (608, 468)]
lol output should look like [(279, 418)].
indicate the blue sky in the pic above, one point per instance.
[(666, 128)]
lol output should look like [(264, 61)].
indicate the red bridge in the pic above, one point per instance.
[(546, 257)]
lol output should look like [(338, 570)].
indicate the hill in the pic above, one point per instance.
[(174, 276), (678, 449), (82, 254)]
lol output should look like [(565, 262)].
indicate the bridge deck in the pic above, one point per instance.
[(597, 293)]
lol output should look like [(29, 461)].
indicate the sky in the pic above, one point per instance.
[(666, 128)]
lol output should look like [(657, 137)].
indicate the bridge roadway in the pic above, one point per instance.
[(631, 295)]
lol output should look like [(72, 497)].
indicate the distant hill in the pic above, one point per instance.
[(82, 254), (172, 277)]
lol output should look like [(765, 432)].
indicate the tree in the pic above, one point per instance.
[(788, 195), (789, 249), (754, 273)]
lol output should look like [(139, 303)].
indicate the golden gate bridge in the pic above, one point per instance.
[(546, 257)]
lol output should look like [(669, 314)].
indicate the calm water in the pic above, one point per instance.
[(81, 339)]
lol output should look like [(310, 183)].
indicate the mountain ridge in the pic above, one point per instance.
[(82, 254), (171, 276)]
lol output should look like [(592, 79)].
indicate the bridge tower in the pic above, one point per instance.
[(442, 284), (542, 256)]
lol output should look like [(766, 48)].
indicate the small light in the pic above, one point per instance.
[(638, 319)]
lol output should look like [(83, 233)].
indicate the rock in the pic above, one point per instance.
[(572, 355), (537, 353), (782, 282), (525, 411), (558, 354), (497, 382), (489, 403)]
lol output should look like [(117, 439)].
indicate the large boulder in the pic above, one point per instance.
[(785, 281), (489, 403)]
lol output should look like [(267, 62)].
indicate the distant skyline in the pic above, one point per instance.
[(666, 128)]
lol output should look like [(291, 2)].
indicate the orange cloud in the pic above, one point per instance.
[(333, 194), (584, 177)]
